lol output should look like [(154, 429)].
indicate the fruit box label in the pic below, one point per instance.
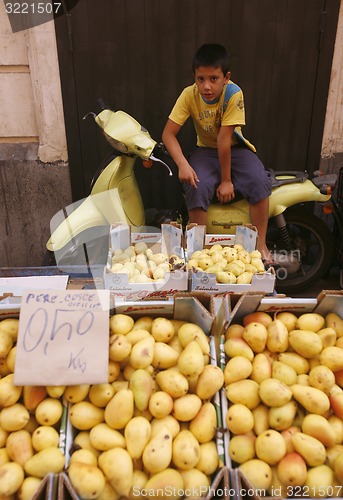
[(206, 282), (118, 284)]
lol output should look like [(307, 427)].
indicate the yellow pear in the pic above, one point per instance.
[(12, 477), (270, 446), (84, 415), (328, 336), (186, 407), (117, 466), (273, 392), (292, 470), (100, 394), (288, 319), (191, 331), (319, 427), (142, 353), (312, 399), (261, 418), (261, 367), (195, 480), (44, 462), (210, 380), (311, 321), (137, 334), (102, 437), (191, 360), (120, 409), (245, 392), (185, 450), (161, 404), (258, 473), (121, 324), (242, 447), (334, 321), (157, 453), (332, 357), (311, 449), (209, 461), (298, 362), (237, 368), (282, 417), (167, 483), (277, 338), (322, 378), (142, 386), (19, 446), (284, 372), (239, 419), (164, 356), (137, 434), (204, 424), (168, 421), (238, 347), (119, 347), (87, 480), (320, 481), (306, 343), (162, 329), (173, 382), (255, 335)]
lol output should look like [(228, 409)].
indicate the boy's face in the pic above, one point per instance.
[(210, 82)]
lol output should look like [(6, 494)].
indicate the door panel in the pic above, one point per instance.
[(137, 56)]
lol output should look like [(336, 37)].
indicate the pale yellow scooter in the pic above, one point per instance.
[(299, 240)]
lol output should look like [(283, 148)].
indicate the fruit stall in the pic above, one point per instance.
[(137, 390)]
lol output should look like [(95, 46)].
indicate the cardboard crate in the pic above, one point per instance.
[(241, 305), (210, 313), (197, 239), (169, 241)]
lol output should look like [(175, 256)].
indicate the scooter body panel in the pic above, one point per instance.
[(115, 198), (85, 216), (223, 219)]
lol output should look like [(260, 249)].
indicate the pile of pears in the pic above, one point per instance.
[(29, 425), (231, 264), (142, 264), (283, 380), (152, 426)]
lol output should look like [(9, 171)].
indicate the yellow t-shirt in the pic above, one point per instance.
[(208, 117)]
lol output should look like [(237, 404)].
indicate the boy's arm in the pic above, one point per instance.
[(225, 191), (186, 172)]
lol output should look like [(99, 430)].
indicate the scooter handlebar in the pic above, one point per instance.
[(160, 151)]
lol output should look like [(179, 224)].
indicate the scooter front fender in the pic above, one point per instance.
[(285, 196)]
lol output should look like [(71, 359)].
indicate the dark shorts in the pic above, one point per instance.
[(248, 175)]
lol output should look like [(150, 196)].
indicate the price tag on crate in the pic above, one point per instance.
[(63, 337)]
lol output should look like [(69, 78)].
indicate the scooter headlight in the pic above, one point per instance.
[(119, 146)]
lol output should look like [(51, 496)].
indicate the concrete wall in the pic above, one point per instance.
[(332, 145), (34, 173)]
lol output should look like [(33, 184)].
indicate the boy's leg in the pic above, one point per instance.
[(252, 180), (198, 216), (259, 218), (206, 164)]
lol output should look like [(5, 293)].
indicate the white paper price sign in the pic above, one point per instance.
[(63, 338)]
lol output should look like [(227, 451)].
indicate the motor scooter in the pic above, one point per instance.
[(300, 242)]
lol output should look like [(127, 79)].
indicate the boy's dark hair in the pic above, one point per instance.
[(212, 54)]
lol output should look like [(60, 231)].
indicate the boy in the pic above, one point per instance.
[(223, 161)]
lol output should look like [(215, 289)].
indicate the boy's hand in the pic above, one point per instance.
[(225, 192), (188, 175)]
